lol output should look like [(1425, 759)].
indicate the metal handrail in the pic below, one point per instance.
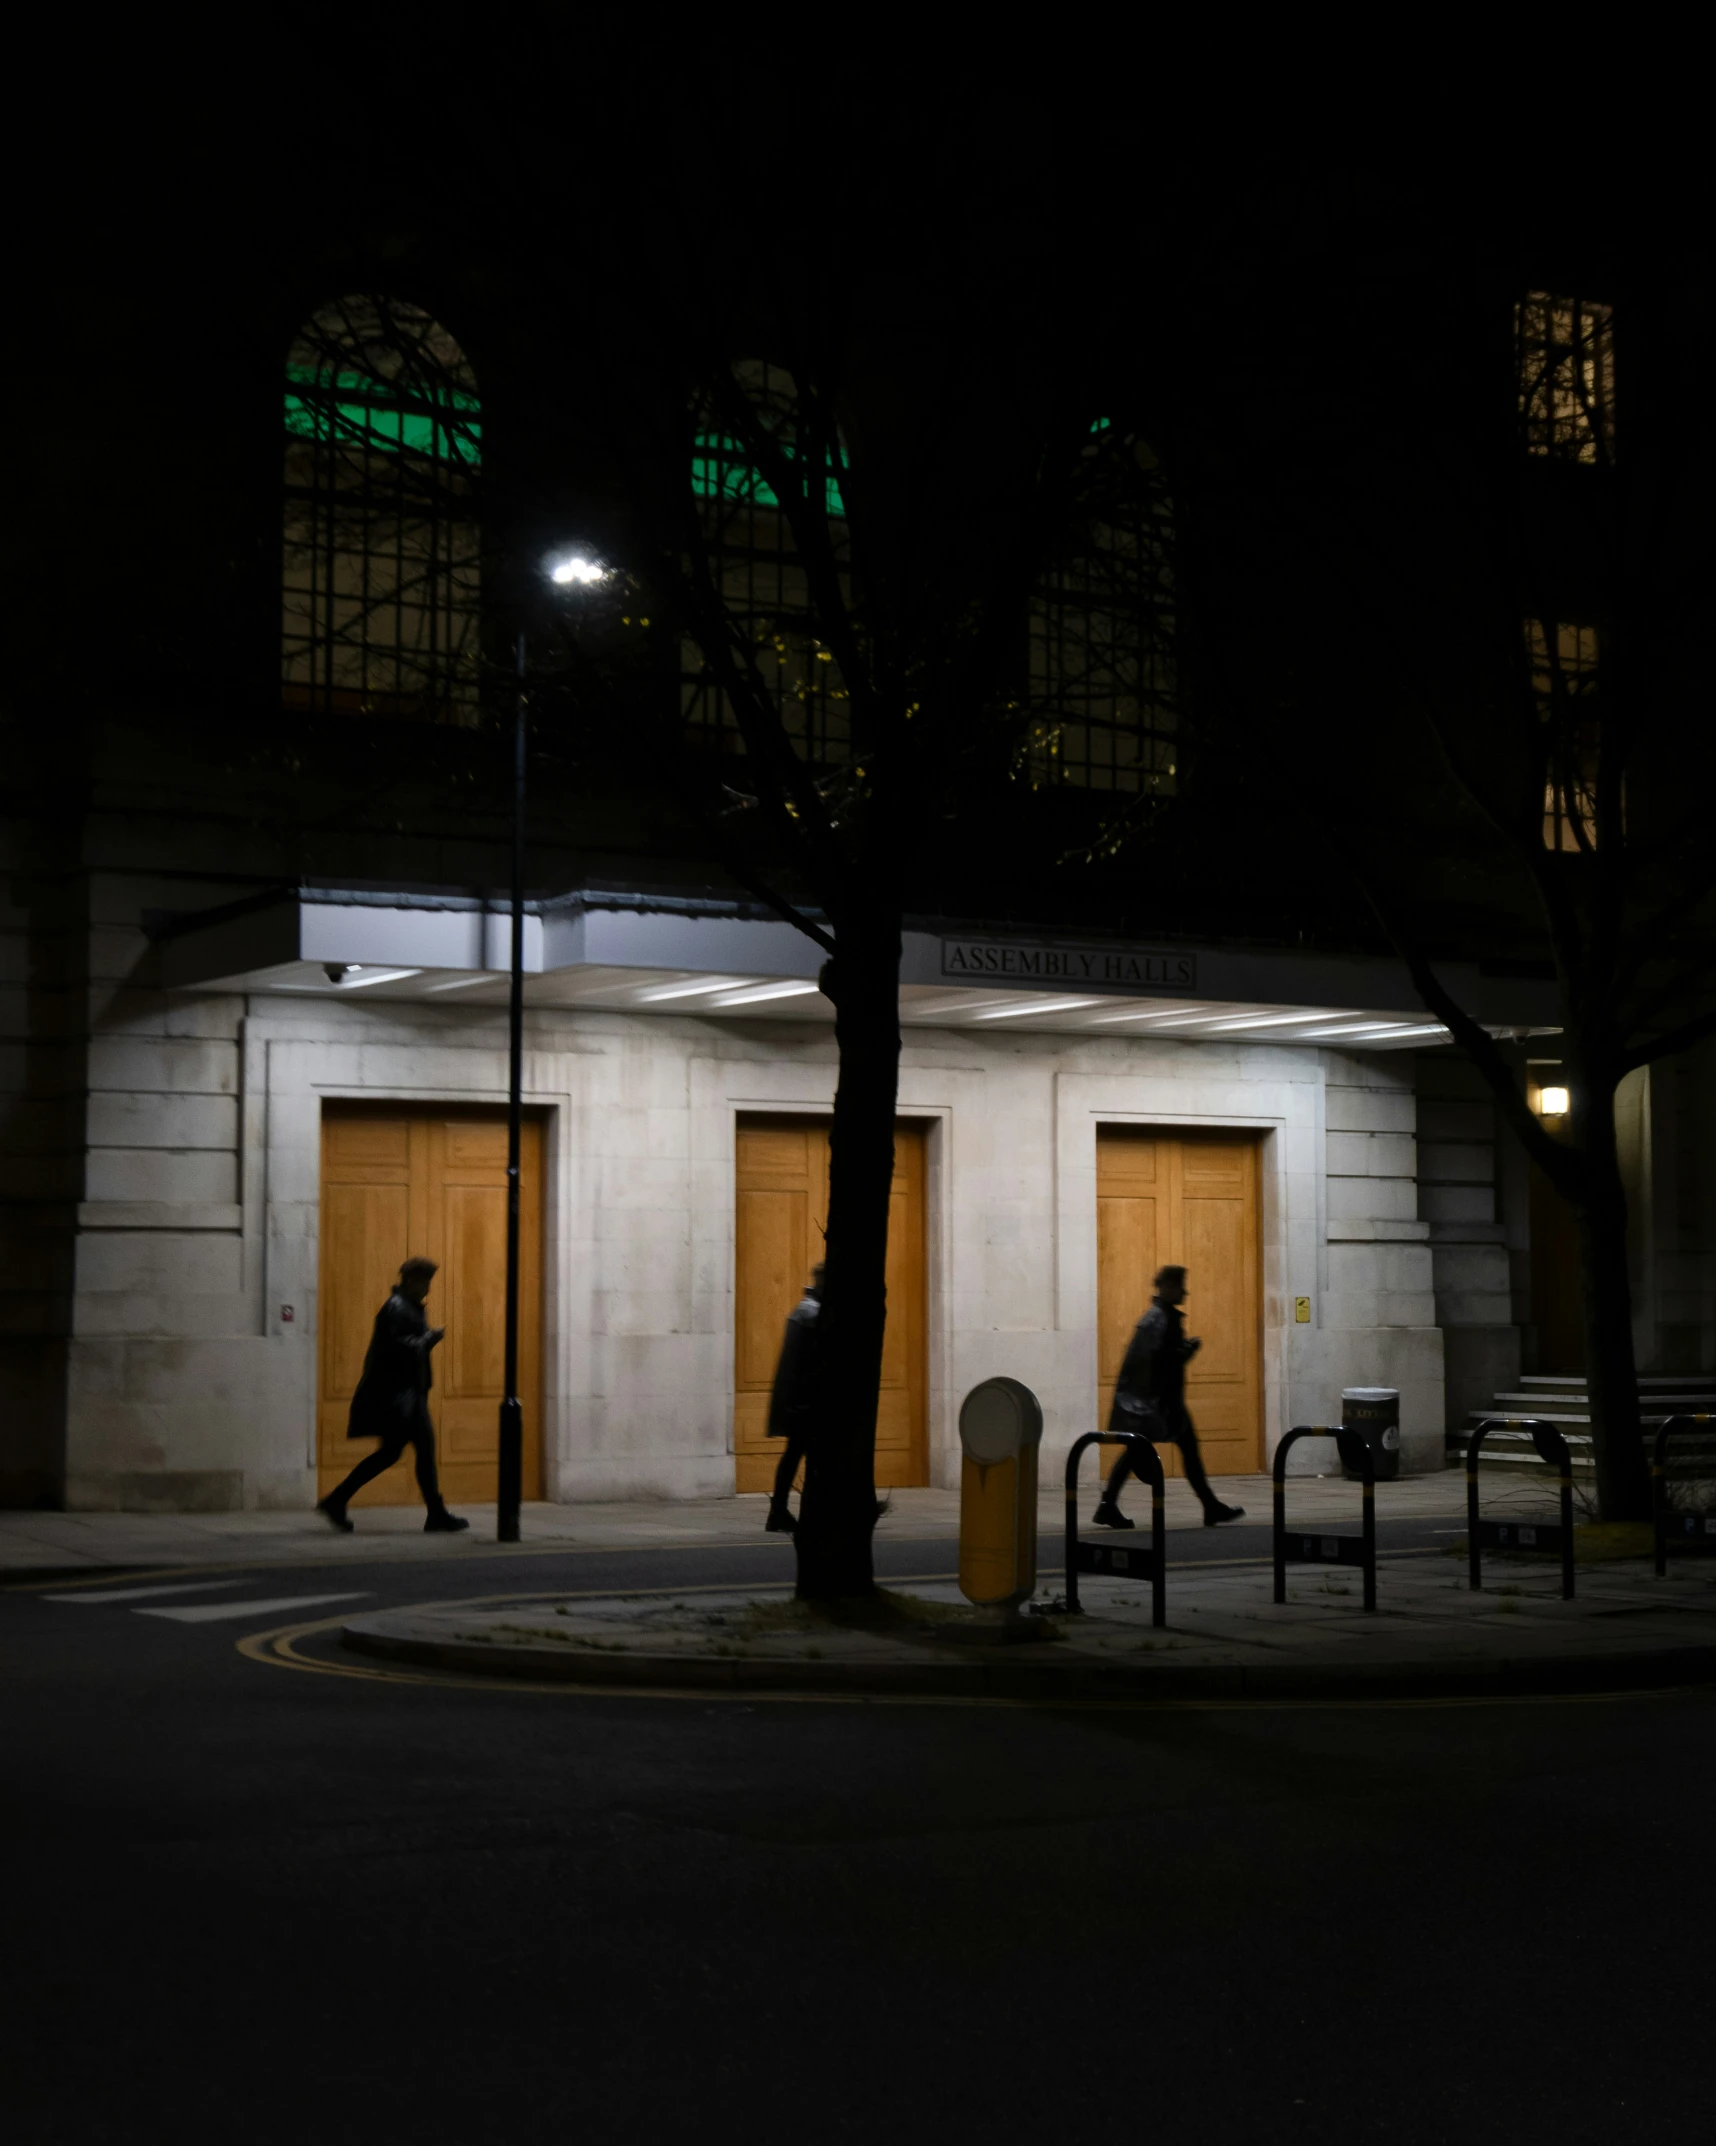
[(1355, 1451), (1553, 1451), (1658, 1479), (1148, 1462)]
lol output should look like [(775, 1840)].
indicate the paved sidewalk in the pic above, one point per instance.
[(1225, 1637), (54, 1543)]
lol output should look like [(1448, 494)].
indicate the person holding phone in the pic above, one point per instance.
[(1150, 1396), (392, 1402)]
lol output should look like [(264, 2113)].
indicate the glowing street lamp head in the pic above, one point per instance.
[(576, 571)]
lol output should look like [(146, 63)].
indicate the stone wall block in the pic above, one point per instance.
[(163, 1121), (158, 1263), (126, 1314), (1472, 1268), (170, 1174), (171, 1065), (652, 1183), (1369, 1110), (1389, 1199), (1457, 1203), (1371, 1154), (1450, 1162), (1456, 1118), (1381, 1266), (1473, 1307)]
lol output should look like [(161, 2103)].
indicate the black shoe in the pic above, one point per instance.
[(334, 1515), (883, 1506), (444, 1523), (780, 1521), (1214, 1515), (1109, 1515)]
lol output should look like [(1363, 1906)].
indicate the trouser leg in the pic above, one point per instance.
[(1117, 1476), (1192, 1460), (788, 1469), (366, 1471), (423, 1443)]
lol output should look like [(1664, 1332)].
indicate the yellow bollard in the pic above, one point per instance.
[(1000, 1428)]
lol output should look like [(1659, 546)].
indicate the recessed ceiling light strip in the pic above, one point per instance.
[(1037, 1006), (704, 987), (765, 992)]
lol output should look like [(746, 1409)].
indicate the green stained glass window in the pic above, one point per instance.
[(765, 591), (719, 470), (368, 413), (383, 433)]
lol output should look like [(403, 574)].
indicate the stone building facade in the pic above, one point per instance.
[(195, 1359)]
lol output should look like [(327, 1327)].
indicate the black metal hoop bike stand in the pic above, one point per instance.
[(1685, 1534), (1327, 1549), (1516, 1534), (1120, 1556)]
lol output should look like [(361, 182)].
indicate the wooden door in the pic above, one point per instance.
[(395, 1184), (1185, 1199), (781, 1208)]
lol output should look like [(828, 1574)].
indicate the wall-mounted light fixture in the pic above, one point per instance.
[(1552, 1102)]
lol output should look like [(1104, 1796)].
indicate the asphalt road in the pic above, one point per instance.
[(244, 1902)]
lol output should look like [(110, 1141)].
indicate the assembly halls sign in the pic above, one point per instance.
[(1012, 961)]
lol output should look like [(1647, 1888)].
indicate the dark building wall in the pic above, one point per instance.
[(1470, 1261), (44, 1024)]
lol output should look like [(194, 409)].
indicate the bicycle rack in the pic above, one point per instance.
[(1686, 1534), (1327, 1549), (1119, 1556), (1516, 1534)]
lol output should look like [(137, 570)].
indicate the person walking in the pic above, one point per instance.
[(392, 1402), (1150, 1396), (791, 1399)]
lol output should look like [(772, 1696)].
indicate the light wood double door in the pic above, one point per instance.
[(397, 1184), (1188, 1200), (781, 1211)]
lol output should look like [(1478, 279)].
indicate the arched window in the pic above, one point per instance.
[(764, 592), (383, 437), (1103, 675)]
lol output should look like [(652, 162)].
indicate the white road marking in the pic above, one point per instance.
[(137, 1594), (207, 1612)]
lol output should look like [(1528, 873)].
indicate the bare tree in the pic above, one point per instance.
[(850, 561), (1534, 600)]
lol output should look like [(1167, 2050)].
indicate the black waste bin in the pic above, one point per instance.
[(1374, 1410)]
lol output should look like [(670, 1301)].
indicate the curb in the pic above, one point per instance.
[(1035, 1682), (22, 1576)]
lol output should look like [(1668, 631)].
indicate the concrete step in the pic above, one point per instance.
[(1690, 1381), (1544, 1402), (1505, 1447), (1514, 1449)]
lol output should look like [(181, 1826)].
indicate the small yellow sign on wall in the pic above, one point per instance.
[(1302, 1311)]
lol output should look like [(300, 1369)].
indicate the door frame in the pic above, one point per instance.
[(1287, 1118), (369, 1105), (1254, 1138), (926, 1126), (288, 1069), (723, 1091)]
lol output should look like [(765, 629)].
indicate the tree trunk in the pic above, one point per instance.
[(837, 1513), (1623, 1474)]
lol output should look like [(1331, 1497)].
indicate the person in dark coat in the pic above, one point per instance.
[(392, 1402), (791, 1399), (1150, 1396)]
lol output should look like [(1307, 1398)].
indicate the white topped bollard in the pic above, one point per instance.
[(1000, 1428)]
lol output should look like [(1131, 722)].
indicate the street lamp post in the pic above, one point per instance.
[(511, 1484), (572, 572)]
